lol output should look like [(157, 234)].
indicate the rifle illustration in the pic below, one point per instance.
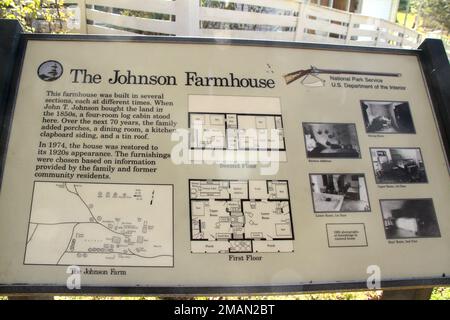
[(314, 72)]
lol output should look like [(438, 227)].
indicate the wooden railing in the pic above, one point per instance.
[(288, 20)]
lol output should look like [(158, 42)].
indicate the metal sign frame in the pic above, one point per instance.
[(13, 43)]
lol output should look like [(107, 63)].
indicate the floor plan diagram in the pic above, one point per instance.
[(236, 128), (234, 131), (99, 224), (240, 216)]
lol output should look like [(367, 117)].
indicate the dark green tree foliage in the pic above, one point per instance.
[(36, 15), (403, 5), (436, 13)]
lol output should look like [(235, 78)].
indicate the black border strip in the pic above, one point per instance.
[(216, 290), (217, 41)]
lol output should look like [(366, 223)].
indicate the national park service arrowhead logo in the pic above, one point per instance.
[(50, 70)]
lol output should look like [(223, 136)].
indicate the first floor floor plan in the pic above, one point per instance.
[(240, 216)]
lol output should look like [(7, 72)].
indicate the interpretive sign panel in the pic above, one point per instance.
[(159, 165)]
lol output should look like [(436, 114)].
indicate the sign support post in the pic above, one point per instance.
[(436, 68), (10, 33)]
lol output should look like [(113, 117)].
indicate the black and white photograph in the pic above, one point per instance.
[(331, 140), (387, 117), (398, 165), (339, 192), (409, 218)]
